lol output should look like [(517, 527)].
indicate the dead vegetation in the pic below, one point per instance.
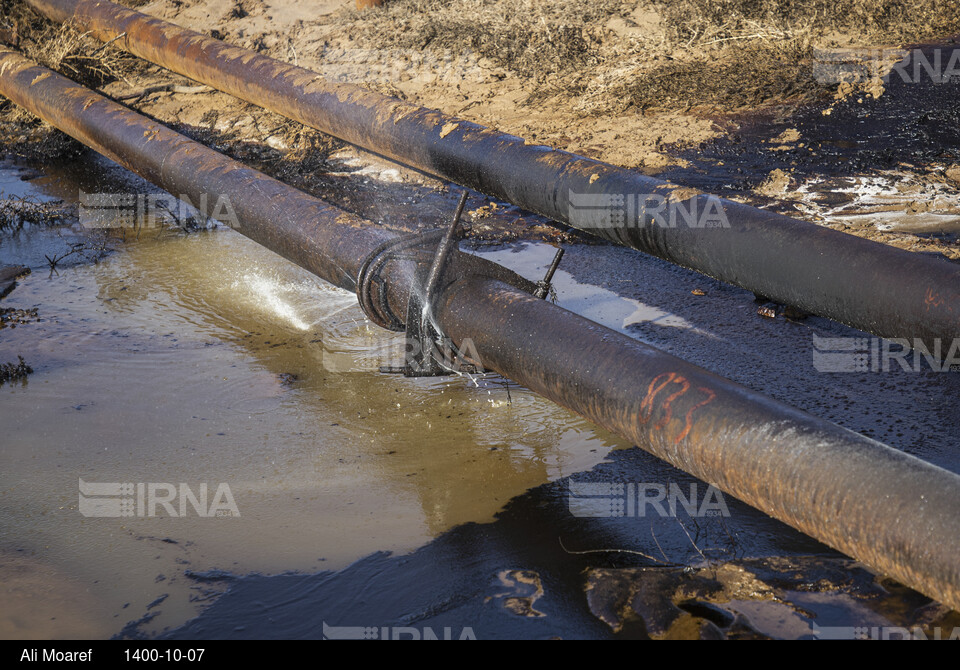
[(15, 212), (79, 56), (759, 75), (876, 21), (13, 371), (532, 39), (90, 250), (66, 50), (282, 148), (614, 55)]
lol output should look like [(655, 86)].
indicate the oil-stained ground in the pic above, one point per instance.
[(721, 96)]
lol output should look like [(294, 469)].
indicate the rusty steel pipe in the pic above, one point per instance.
[(865, 284), (891, 510), (325, 240)]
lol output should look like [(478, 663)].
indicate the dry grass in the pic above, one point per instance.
[(63, 49), (700, 21), (529, 37), (732, 54), (80, 57), (726, 54), (756, 74)]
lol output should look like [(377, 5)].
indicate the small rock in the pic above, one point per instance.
[(776, 184), (788, 136)]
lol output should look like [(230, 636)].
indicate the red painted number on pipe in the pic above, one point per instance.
[(682, 386)]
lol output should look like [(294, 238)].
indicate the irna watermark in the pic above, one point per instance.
[(884, 633), (149, 210), (643, 499), (837, 66), (874, 354), (635, 210), (396, 633), (401, 353), (152, 499)]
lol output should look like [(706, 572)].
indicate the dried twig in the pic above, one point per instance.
[(615, 551), (106, 44)]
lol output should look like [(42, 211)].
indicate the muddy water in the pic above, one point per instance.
[(207, 359)]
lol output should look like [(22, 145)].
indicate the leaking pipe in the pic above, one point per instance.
[(877, 288), (894, 512)]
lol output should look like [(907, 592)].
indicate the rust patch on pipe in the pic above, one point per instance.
[(852, 280), (888, 509)]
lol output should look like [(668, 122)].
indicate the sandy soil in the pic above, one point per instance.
[(619, 81), (664, 88), (639, 83)]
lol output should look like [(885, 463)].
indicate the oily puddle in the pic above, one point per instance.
[(206, 359)]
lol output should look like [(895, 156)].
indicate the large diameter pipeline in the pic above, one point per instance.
[(892, 511), (865, 284), (325, 240)]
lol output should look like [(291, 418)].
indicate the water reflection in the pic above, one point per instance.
[(207, 358)]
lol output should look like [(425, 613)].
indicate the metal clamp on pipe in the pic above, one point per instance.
[(427, 347), (405, 248), (437, 263)]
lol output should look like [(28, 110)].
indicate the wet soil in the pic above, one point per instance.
[(538, 573), (203, 357), (884, 168)]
